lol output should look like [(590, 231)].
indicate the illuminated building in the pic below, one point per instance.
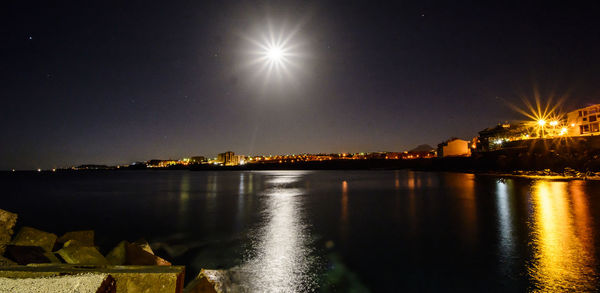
[(162, 163), (230, 159), (454, 147), (198, 160), (584, 121), (224, 158), (493, 138)]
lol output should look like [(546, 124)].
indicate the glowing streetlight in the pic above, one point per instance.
[(563, 131), (541, 122), (553, 123)]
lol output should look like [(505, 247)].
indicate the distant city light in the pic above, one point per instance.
[(563, 131), (39, 170)]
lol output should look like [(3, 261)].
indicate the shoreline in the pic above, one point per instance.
[(565, 174)]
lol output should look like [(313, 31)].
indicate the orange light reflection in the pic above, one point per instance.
[(563, 253)]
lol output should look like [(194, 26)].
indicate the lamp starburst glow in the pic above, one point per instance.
[(545, 119)]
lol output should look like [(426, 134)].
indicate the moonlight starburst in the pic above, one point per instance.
[(275, 53)]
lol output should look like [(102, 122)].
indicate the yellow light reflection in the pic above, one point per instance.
[(412, 209), (463, 186), (411, 180), (563, 254), (344, 202), (183, 204), (344, 213)]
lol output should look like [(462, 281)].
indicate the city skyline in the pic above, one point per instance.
[(115, 83)]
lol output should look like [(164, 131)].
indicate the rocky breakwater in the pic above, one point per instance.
[(38, 261)]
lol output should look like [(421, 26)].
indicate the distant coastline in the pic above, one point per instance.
[(537, 157), (496, 165)]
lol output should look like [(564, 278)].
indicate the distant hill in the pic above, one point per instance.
[(422, 148)]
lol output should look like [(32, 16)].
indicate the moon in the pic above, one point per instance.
[(274, 54)]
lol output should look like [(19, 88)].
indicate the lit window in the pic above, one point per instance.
[(594, 127)]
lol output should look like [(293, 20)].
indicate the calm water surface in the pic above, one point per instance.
[(335, 231)]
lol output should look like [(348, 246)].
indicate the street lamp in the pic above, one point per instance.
[(541, 123)]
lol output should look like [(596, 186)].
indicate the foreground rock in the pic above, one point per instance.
[(4, 262), (33, 262), (144, 245), (216, 281), (73, 252), (85, 238), (129, 279), (136, 255), (118, 255), (7, 223), (86, 283), (28, 236), (24, 255)]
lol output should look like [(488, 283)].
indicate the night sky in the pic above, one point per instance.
[(115, 82)]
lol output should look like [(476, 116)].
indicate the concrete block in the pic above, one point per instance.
[(74, 253), (118, 255), (7, 223), (85, 237), (5, 262), (28, 236), (26, 254), (129, 279), (84, 283), (135, 255)]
